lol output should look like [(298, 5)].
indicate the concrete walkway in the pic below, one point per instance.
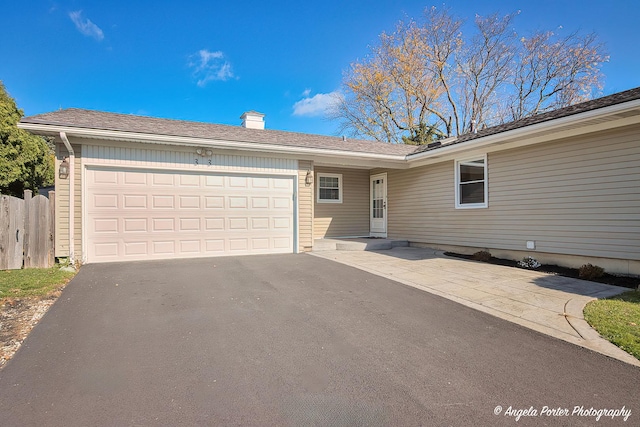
[(546, 303)]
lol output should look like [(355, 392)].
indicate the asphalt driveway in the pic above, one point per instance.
[(292, 340)]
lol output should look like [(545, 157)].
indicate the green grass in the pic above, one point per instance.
[(31, 282), (618, 320)]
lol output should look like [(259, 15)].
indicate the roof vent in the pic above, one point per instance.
[(474, 127), (434, 144), (252, 120)]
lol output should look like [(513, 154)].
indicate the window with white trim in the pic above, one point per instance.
[(471, 183), (329, 188)]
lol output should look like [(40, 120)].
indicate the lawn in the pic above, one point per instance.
[(32, 282), (618, 320)]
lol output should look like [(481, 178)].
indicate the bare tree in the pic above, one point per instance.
[(443, 38), (555, 72), (426, 81), (485, 67), (392, 92)]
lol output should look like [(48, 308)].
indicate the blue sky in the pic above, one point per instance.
[(211, 61)]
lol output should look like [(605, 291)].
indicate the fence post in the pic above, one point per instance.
[(27, 228), (52, 225)]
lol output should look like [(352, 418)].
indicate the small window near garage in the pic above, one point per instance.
[(329, 188), (471, 183)]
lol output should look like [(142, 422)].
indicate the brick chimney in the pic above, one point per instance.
[(252, 120)]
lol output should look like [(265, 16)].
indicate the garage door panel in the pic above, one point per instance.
[(214, 181), (214, 245), (164, 247), (133, 225), (189, 224), (106, 250), (134, 201), (260, 182), (238, 181), (260, 203), (238, 202), (108, 201), (159, 215), (238, 244), (214, 224), (106, 177), (135, 248), (281, 223), (189, 180), (162, 202), (283, 203), (105, 225), (282, 184), (238, 224), (190, 246), (163, 224), (134, 178), (214, 202), (260, 243), (162, 179), (281, 242), (259, 223), (189, 202)]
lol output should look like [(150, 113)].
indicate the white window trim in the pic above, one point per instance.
[(329, 175), (456, 172)]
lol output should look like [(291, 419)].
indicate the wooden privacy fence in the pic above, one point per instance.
[(27, 231)]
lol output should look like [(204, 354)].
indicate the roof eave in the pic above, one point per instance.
[(526, 134), (185, 141)]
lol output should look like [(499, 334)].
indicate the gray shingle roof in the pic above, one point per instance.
[(89, 119), (594, 104)]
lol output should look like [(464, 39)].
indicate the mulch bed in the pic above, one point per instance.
[(17, 317), (609, 279)]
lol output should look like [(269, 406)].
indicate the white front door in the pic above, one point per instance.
[(378, 208)]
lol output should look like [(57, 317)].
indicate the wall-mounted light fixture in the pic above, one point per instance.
[(204, 152), (63, 170), (308, 180)]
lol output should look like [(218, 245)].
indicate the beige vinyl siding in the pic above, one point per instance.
[(62, 204), (349, 218), (305, 207), (579, 196), (169, 157)]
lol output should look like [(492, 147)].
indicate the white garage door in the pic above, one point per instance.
[(140, 215)]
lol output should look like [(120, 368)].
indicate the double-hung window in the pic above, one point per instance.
[(471, 183), (329, 188)]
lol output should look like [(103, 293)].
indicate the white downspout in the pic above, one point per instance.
[(72, 227)]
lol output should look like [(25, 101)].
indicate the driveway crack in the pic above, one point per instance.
[(566, 317)]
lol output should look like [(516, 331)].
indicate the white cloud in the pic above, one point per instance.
[(208, 66), (306, 93), (316, 105), (85, 26)]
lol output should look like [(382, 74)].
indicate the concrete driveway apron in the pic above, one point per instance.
[(543, 302)]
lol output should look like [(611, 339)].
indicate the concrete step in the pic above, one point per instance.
[(357, 244)]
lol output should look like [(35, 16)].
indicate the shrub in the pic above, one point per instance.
[(483, 256), (590, 272), (529, 263)]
